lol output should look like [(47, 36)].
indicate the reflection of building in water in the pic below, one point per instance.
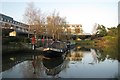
[(75, 56), (78, 47), (83, 49)]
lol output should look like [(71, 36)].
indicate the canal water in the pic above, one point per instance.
[(80, 62)]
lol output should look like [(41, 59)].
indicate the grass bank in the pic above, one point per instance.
[(100, 42)]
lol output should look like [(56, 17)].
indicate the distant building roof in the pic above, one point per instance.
[(6, 17)]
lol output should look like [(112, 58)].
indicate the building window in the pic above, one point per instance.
[(73, 25), (12, 25), (77, 25), (7, 20), (1, 19), (4, 19), (18, 28), (11, 21), (68, 26), (16, 23)]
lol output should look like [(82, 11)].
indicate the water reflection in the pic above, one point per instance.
[(94, 56), (80, 62), (53, 66)]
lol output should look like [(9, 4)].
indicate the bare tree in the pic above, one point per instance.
[(36, 21), (34, 18), (55, 25)]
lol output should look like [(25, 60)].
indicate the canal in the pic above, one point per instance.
[(80, 62)]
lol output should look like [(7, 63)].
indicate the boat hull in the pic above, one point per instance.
[(52, 54), (56, 49), (53, 66)]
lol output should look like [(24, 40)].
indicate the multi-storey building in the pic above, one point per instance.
[(9, 24), (75, 29)]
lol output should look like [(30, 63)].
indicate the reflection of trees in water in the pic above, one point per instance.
[(36, 66), (8, 61), (81, 48), (24, 63), (99, 55), (38, 69), (32, 65), (108, 52)]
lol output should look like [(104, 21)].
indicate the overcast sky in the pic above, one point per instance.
[(85, 12)]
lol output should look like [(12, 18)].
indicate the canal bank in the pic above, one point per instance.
[(16, 48), (100, 42)]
